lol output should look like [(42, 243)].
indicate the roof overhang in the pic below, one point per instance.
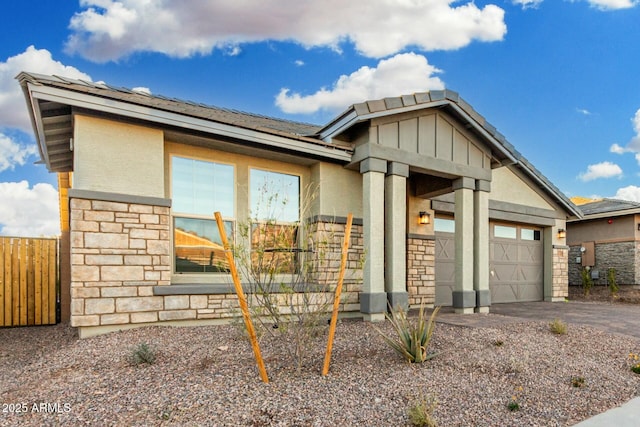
[(52, 109)]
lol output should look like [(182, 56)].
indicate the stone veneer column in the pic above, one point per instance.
[(395, 230), (464, 297), (481, 246), (560, 269), (421, 278), (373, 299)]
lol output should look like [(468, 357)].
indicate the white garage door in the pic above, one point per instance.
[(516, 262)]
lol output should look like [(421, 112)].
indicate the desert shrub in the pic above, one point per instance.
[(142, 354), (611, 281), (634, 363), (578, 381), (558, 327), (421, 411), (412, 336), (281, 262), (587, 281), (514, 403)]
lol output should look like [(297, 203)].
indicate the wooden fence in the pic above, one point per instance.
[(28, 281)]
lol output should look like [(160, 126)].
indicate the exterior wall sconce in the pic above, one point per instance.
[(424, 218), (562, 233)]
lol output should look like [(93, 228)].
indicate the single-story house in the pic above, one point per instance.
[(446, 211), (608, 236)]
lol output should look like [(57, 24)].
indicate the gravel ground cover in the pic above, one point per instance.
[(207, 376)]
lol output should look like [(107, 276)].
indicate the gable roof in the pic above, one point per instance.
[(502, 150), (53, 99)]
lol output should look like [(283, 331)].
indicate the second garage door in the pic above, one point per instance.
[(516, 258), (516, 271)]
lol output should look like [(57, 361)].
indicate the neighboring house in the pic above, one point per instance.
[(608, 236), (145, 174)]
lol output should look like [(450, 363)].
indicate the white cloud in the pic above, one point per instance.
[(528, 4), (617, 149), (13, 153), (630, 192), (583, 111), (299, 62), (613, 4), (402, 74), (109, 29), (142, 89), (30, 212), (13, 108), (634, 145), (601, 170), (598, 4)]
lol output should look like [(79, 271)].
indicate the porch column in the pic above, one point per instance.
[(373, 299), (464, 297), (395, 213), (481, 246)]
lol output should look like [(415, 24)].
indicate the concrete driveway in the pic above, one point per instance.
[(619, 318)]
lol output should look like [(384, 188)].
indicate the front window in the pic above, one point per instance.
[(275, 214), (200, 188)]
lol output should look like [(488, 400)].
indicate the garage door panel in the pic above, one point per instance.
[(445, 268), (517, 267)]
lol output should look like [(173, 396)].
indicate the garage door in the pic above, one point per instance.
[(445, 260), (516, 271), (516, 262)]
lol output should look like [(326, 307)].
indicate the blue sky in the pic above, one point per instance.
[(559, 78)]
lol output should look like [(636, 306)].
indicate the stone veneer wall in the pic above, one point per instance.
[(329, 236), (421, 277), (560, 272), (121, 251), (623, 256)]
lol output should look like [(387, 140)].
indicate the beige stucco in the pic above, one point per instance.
[(117, 157), (506, 186), (622, 228), (339, 190)]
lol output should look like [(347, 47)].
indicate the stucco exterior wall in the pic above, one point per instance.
[(339, 190), (116, 157), (601, 230), (506, 186)]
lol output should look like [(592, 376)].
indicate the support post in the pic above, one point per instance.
[(241, 298), (464, 297), (373, 298), (338, 292), (481, 246), (395, 232)]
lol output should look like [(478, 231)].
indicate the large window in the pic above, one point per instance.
[(275, 212), (274, 196), (198, 189)]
